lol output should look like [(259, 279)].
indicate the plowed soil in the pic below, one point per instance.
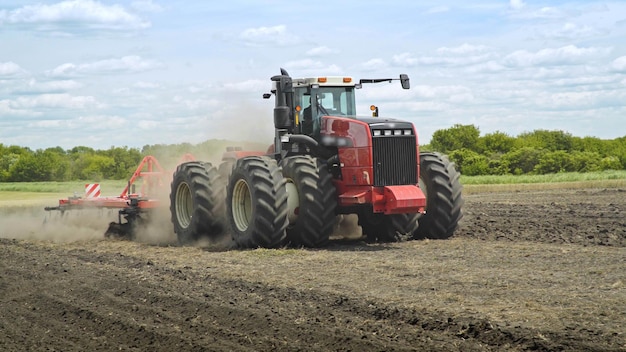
[(530, 270)]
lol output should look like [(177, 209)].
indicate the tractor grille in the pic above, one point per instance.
[(395, 160)]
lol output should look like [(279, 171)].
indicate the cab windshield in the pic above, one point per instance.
[(334, 101), (322, 101)]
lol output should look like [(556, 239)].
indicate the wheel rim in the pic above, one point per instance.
[(242, 205), (184, 205), (293, 202)]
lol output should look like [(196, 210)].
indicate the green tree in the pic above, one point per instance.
[(553, 162), (456, 137), (544, 139), (57, 163), (586, 161), (7, 160), (617, 148), (96, 167), (590, 144), (469, 162), (497, 143), (610, 163), (125, 161), (522, 160)]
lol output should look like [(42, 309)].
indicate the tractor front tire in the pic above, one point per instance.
[(388, 228), (312, 201), (439, 180), (257, 203), (197, 202)]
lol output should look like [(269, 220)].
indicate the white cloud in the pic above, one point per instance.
[(7, 109), (491, 66), (197, 104), (9, 69), (426, 106), (146, 6), (517, 4), (566, 55), (570, 30), (463, 49), (146, 85), (304, 64), (309, 67), (319, 51), (85, 124), (253, 86), (376, 64), (393, 93), (404, 60), (126, 64), (262, 36), (548, 12), (582, 100), (586, 81), (47, 124), (462, 55), (63, 100), (508, 65), (455, 60), (619, 64), (72, 16), (97, 121), (35, 86), (148, 124), (521, 10)]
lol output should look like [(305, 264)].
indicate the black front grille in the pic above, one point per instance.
[(395, 160)]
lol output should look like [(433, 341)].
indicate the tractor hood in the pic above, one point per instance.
[(383, 122)]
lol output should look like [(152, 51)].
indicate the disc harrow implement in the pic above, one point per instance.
[(143, 193)]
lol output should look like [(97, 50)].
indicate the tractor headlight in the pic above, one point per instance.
[(376, 133)]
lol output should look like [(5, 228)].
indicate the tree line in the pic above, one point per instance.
[(22, 164), (536, 152)]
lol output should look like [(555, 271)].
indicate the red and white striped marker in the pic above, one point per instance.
[(92, 190)]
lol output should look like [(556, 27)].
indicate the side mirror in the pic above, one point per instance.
[(404, 81)]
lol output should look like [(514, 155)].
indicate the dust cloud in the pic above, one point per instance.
[(347, 227), (74, 225), (243, 122), (37, 224), (156, 228)]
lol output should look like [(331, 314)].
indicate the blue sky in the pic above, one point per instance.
[(131, 73)]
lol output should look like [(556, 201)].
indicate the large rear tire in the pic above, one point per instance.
[(197, 202), (312, 201), (439, 180), (388, 228), (257, 203)]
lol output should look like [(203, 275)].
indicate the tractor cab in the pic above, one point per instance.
[(321, 96), (306, 107)]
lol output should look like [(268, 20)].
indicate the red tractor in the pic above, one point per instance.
[(325, 161)]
